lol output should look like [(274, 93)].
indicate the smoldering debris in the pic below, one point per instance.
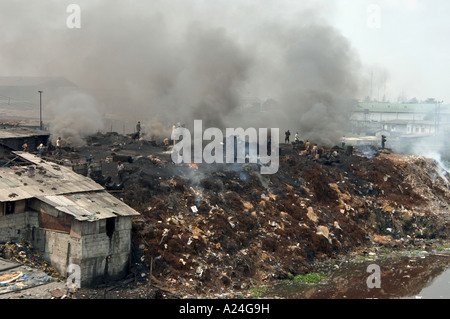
[(205, 228), (210, 228)]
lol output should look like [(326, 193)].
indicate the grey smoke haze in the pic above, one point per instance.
[(163, 62), (315, 78), (74, 116)]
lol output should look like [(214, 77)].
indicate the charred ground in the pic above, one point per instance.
[(208, 229)]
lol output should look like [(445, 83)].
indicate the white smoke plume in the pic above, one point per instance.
[(75, 116)]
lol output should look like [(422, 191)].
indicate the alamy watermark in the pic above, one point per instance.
[(74, 276), (374, 16), (236, 146), (374, 280), (73, 21)]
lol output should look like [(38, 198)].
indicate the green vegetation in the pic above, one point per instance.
[(443, 248), (385, 251), (310, 278), (258, 292)]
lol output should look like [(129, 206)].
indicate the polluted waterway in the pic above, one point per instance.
[(413, 276)]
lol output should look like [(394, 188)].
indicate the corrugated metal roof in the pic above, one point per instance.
[(15, 194), (89, 206), (20, 133), (44, 178), (57, 200)]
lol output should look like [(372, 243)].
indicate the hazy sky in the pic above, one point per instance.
[(409, 47), (403, 44)]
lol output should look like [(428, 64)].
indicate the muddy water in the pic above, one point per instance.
[(419, 276), (438, 288)]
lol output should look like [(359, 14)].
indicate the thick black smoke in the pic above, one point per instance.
[(166, 62)]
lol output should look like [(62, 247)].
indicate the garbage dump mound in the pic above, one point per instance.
[(210, 228)]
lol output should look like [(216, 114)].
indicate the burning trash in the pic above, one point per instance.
[(227, 225)]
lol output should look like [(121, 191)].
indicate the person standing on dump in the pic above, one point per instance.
[(138, 129), (287, 134), (40, 149), (58, 146), (120, 169)]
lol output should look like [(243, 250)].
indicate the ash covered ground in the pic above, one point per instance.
[(208, 230)]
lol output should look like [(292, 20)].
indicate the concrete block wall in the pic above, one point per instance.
[(96, 245), (98, 255), (105, 257), (122, 235), (92, 271), (59, 248), (18, 227), (10, 226)]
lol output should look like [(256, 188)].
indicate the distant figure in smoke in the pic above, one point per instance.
[(287, 134), (41, 149), (314, 149), (58, 146), (307, 145), (343, 141), (89, 172), (321, 152), (120, 168), (138, 130), (383, 141), (296, 137), (173, 129)]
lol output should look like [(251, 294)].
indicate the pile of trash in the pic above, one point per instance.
[(25, 254), (206, 229), (23, 278), (25, 269), (209, 229)]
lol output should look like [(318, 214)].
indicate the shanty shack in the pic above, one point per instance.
[(68, 218)]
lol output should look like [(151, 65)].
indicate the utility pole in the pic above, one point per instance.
[(40, 110)]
